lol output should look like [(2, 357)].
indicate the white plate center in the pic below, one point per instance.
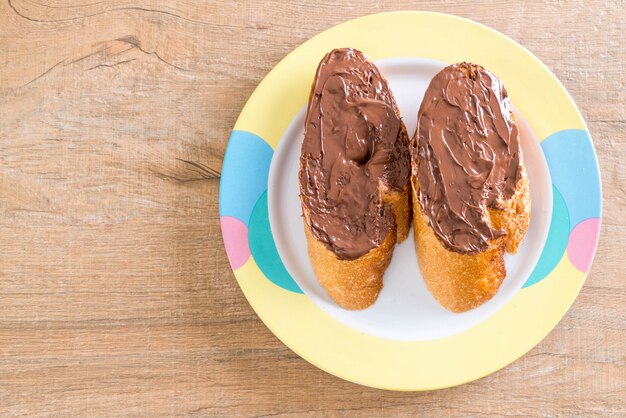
[(405, 309)]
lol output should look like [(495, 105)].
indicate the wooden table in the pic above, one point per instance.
[(116, 297)]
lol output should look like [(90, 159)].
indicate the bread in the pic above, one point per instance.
[(471, 199), (354, 178)]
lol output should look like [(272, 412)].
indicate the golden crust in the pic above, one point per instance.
[(355, 284), (461, 282)]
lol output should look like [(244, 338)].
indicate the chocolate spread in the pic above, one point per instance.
[(468, 152), (353, 141)]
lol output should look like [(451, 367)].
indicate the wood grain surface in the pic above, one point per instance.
[(116, 297)]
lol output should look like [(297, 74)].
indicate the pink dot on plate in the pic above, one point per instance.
[(235, 235), (582, 243)]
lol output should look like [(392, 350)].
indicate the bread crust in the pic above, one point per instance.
[(461, 282), (355, 284)]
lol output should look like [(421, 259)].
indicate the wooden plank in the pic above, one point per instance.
[(116, 297)]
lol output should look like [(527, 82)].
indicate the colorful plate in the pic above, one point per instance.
[(400, 344)]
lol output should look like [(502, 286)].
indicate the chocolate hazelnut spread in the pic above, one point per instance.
[(354, 140), (468, 153)]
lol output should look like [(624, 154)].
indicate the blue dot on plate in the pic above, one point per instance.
[(264, 250), (556, 243), (574, 171), (244, 176)]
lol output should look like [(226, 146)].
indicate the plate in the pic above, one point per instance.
[(406, 341), (405, 310)]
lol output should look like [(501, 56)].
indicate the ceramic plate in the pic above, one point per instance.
[(406, 341)]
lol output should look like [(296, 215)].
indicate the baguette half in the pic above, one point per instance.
[(463, 281), (354, 178)]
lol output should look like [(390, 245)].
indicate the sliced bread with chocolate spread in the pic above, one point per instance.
[(471, 199), (354, 178)]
